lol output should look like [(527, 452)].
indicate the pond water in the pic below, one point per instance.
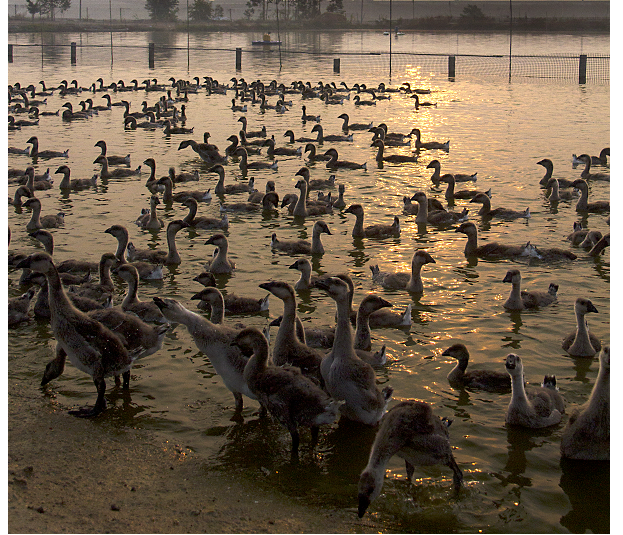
[(514, 478)]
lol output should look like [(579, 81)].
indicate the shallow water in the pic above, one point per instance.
[(514, 479)]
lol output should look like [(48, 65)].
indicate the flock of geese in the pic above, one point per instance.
[(312, 377)]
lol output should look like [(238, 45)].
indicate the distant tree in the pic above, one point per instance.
[(219, 13), (33, 7), (472, 12), (162, 9), (47, 7), (248, 13), (201, 10), (335, 6)]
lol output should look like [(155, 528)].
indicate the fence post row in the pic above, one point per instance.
[(451, 67), (336, 65), (582, 77), (10, 53), (152, 49), (238, 59), (73, 52)]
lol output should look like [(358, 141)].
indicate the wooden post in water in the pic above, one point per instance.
[(152, 53), (336, 65), (238, 59), (73, 52), (582, 77), (451, 67), (10, 53)]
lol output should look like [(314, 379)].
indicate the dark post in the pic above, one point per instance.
[(336, 65), (451, 67), (73, 52), (10, 53), (238, 59), (582, 79), (152, 53)]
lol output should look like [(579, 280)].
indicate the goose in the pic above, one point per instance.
[(208, 152), (436, 217), (130, 123), (222, 189), (214, 341), (231, 303), (234, 304), (250, 144), (345, 375), (586, 173), (115, 173), (488, 380), (99, 108), (411, 431), (313, 208), (358, 102), (419, 144), (313, 157), (103, 288), (270, 201), (291, 138), (168, 196), (595, 160), (306, 282), (583, 205), (288, 348), (252, 133), (534, 408), (245, 165), (146, 270), (587, 434), (41, 183), (17, 125), (150, 220), (591, 238), (36, 221), (148, 311), (372, 231), (70, 115), (280, 151), (549, 169), (346, 125), (503, 213), (582, 343), (65, 266), (203, 222), (22, 191), (331, 137), (488, 250), (599, 247), (392, 158), (317, 183), (520, 300), (578, 235), (168, 129), (289, 396), (230, 149), (458, 177), (312, 118), (76, 183), (152, 182), (424, 104), (300, 208), (17, 310), (335, 163), (551, 254), (211, 299), (158, 256), (257, 197), (363, 341), (90, 346), (177, 178), (553, 190), (452, 194), (413, 209), (220, 264), (303, 246), (46, 154), (17, 150), (412, 282), (339, 202)]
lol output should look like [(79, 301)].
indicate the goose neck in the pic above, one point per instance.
[(131, 297), (583, 200), (472, 243), (362, 332), (122, 244), (167, 196), (172, 256), (358, 228), (457, 373), (422, 212), (343, 330), (192, 212)]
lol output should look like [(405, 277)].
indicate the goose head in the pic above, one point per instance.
[(513, 276), (40, 262), (372, 303), (279, 289)]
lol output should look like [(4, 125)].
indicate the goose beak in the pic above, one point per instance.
[(364, 502)]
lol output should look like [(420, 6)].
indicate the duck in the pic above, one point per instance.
[(17, 309), (595, 160), (214, 342), (452, 194), (313, 157), (553, 190), (346, 125), (372, 231), (458, 177), (245, 165), (146, 270), (599, 247), (490, 249), (412, 282), (436, 217), (76, 183), (586, 173), (22, 191), (234, 304), (90, 346), (502, 213), (488, 380), (520, 299), (335, 163), (150, 220), (534, 408), (346, 376), (45, 154), (582, 343), (412, 431), (220, 265), (583, 205), (102, 289), (280, 151), (115, 173), (112, 160), (148, 311), (288, 349), (419, 144), (392, 158), (222, 189), (203, 222), (252, 133), (36, 221), (549, 169), (586, 436), (312, 118), (66, 266), (424, 104), (289, 396), (331, 137), (303, 246), (158, 256)]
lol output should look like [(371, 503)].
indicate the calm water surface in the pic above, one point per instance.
[(514, 480)]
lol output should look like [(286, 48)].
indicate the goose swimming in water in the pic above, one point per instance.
[(536, 407), (392, 158), (549, 169), (372, 231), (436, 217), (112, 160), (340, 203), (488, 250), (335, 163), (312, 118), (424, 104), (151, 220), (600, 246), (595, 160), (303, 246), (17, 309), (203, 222), (587, 434), (36, 221), (582, 343), (148, 311), (22, 191), (583, 205), (586, 173), (76, 183), (245, 165), (146, 270), (502, 213), (115, 173), (330, 137), (222, 189), (412, 282), (220, 264), (458, 177), (36, 153), (252, 133), (452, 194), (157, 256), (488, 380), (553, 190), (346, 125), (411, 431), (520, 300), (419, 144), (288, 395)]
